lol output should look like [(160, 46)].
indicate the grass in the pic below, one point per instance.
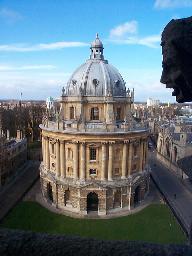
[(155, 224)]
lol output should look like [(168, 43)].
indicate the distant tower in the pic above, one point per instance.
[(1, 119), (50, 103)]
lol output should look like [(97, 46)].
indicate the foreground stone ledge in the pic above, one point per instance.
[(17, 242)]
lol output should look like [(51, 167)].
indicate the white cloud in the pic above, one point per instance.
[(146, 83), (127, 33), (152, 41), (10, 15), (47, 83), (40, 47), (4, 68), (124, 29), (162, 4)]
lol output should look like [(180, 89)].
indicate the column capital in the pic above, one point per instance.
[(104, 142), (52, 141), (75, 142), (126, 141), (111, 142), (82, 142), (62, 142)]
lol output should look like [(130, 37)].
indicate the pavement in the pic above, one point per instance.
[(15, 190), (177, 194)]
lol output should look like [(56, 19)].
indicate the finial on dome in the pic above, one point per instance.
[(97, 49)]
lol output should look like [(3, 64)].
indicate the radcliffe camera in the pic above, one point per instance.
[(96, 128)]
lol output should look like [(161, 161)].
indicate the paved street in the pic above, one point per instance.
[(15, 190), (178, 196)]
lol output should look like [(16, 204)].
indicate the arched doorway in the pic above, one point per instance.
[(67, 200), (117, 199), (49, 192), (92, 202), (137, 195)]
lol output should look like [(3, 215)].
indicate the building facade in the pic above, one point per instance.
[(153, 102), (174, 143), (13, 154), (94, 153)]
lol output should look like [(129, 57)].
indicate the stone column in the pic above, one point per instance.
[(130, 158), (47, 154), (43, 149), (146, 152), (62, 159), (57, 158), (75, 161), (82, 166), (124, 161), (42, 143), (141, 156), (110, 163), (103, 162)]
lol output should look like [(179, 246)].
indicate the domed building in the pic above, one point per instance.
[(94, 153)]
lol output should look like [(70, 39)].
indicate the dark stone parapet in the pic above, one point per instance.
[(17, 242)]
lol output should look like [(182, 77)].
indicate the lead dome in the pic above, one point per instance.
[(96, 77)]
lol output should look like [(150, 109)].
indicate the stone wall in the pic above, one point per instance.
[(171, 166), (15, 242)]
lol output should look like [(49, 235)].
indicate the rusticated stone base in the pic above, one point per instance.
[(73, 196)]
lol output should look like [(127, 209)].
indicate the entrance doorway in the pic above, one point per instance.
[(137, 195), (49, 192), (92, 202), (67, 200)]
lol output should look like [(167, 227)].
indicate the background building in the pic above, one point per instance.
[(175, 142), (13, 154), (152, 102)]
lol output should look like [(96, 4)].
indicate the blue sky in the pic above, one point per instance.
[(43, 41)]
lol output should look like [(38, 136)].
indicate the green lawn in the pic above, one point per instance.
[(155, 223)]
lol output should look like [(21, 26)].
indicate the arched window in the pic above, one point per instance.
[(72, 114), (67, 197), (70, 153), (92, 154), (70, 171), (95, 113), (117, 154)]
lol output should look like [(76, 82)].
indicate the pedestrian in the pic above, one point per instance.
[(175, 196)]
